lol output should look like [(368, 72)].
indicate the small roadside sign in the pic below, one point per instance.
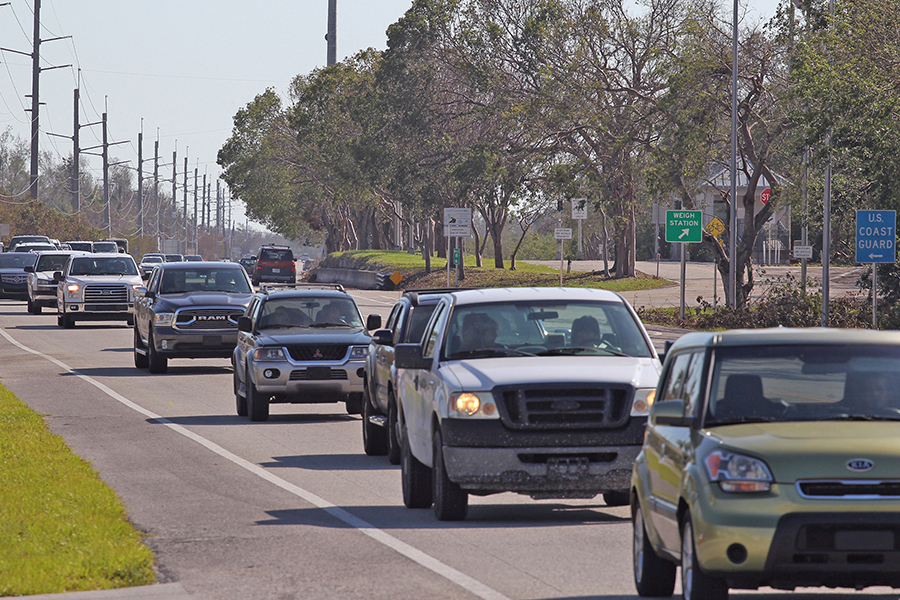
[(683, 226), (765, 196), (876, 236), (456, 257), (579, 208), (458, 222), (4, 228), (715, 227), (562, 233), (803, 252)]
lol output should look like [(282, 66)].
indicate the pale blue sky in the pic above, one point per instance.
[(183, 67)]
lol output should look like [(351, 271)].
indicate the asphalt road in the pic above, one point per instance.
[(291, 508)]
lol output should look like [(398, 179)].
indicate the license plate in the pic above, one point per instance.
[(276, 270), (864, 540), (575, 467), (212, 340), (318, 373)]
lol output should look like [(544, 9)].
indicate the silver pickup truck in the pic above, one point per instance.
[(540, 391)]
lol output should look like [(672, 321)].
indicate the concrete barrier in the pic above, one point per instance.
[(362, 280)]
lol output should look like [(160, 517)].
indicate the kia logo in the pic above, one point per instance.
[(860, 465)]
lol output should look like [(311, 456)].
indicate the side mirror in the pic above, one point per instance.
[(409, 356), (383, 337), (29, 269), (373, 322), (245, 324), (666, 346), (669, 412), (57, 276)]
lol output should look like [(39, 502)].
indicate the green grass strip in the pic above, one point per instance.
[(61, 528)]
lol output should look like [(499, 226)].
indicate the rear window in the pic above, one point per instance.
[(276, 255), (17, 259), (51, 262)]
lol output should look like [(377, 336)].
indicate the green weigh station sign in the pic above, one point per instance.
[(683, 226)]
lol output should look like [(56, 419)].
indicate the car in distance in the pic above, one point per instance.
[(34, 247), (300, 344), (189, 310), (405, 323), (96, 287), (771, 459), (41, 287), (19, 239), (274, 264), (174, 257), (81, 246), (106, 246), (248, 262), (539, 391), (13, 275), (148, 261), (193, 258)]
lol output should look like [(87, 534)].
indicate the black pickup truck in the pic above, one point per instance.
[(189, 310)]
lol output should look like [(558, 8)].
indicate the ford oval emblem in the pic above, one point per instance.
[(860, 465)]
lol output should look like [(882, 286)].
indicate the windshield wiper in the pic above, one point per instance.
[(490, 352), (331, 325), (573, 351), (739, 420)]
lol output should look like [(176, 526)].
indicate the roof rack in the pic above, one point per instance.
[(276, 286), (413, 295)]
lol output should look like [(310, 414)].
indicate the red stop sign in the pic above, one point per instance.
[(766, 194)]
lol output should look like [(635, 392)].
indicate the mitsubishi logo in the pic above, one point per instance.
[(318, 354)]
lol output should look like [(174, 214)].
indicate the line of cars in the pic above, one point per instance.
[(749, 459)]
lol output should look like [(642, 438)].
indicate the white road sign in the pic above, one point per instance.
[(562, 233), (579, 208), (803, 252), (458, 222)]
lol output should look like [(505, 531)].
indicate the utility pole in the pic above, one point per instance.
[(332, 32), (174, 175), (194, 240), (156, 186), (140, 180), (185, 216), (106, 178), (76, 157)]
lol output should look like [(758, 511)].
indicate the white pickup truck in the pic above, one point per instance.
[(96, 287), (540, 391)]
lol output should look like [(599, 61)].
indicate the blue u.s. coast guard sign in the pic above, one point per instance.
[(876, 236)]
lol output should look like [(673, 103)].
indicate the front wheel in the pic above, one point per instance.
[(374, 437), (616, 498), (257, 405), (239, 400), (451, 503), (414, 476), (156, 363), (67, 321), (653, 576), (140, 360), (695, 583)]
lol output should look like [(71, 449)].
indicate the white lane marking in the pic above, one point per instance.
[(429, 562)]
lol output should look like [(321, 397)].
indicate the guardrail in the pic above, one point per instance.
[(362, 280)]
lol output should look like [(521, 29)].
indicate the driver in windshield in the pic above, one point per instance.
[(478, 331), (586, 332), (330, 313)]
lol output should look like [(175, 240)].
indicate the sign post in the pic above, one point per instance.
[(876, 242), (579, 213), (683, 227), (457, 224), (562, 233)]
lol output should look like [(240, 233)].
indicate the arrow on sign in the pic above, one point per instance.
[(876, 255), (684, 232), (452, 220)]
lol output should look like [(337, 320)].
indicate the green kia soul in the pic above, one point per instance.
[(771, 458)]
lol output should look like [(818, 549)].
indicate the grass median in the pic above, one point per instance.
[(61, 528), (412, 268)]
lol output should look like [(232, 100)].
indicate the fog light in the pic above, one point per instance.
[(165, 344), (736, 553), (361, 372), (271, 373)]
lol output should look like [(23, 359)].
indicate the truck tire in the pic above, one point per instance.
[(239, 400), (616, 498), (654, 577), (393, 431), (415, 477), (374, 437), (451, 502), (140, 360), (257, 405), (155, 362), (67, 321)]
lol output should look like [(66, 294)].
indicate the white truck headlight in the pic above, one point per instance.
[(473, 405), (164, 319), (359, 352), (643, 400)]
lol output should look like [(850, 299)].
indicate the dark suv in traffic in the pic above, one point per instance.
[(189, 310), (274, 264)]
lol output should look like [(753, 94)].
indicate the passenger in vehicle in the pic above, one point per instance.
[(586, 332), (478, 331), (173, 283), (330, 313), (868, 391), (224, 281)]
